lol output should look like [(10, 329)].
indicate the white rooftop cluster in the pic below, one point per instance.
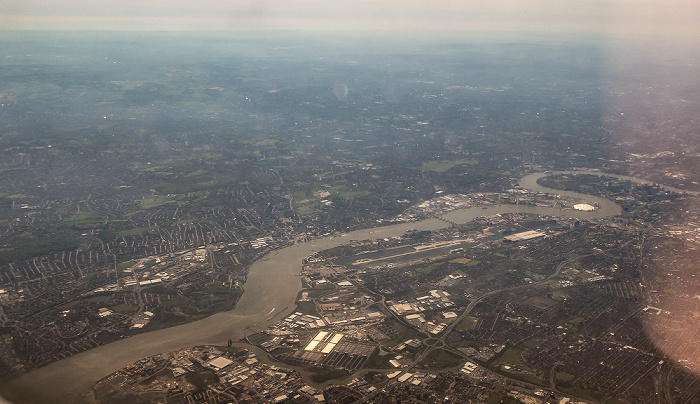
[(584, 207)]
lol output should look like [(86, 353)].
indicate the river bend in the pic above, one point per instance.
[(271, 287)]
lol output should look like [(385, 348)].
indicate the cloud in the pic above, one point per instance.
[(539, 15)]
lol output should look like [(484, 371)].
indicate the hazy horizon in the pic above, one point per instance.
[(155, 152), (675, 18)]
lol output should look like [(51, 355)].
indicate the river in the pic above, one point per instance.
[(270, 290)]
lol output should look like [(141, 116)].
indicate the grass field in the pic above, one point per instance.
[(26, 246), (510, 356), (83, 221), (125, 308), (444, 359), (440, 166), (533, 342), (564, 377), (160, 200), (467, 324), (574, 322), (558, 295), (426, 269), (461, 260)]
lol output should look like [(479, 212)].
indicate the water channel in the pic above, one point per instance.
[(270, 291)]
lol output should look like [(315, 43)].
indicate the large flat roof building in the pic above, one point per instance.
[(526, 235)]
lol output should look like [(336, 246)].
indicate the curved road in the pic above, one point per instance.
[(272, 285)]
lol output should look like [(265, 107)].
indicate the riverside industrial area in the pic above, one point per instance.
[(481, 304), (286, 220)]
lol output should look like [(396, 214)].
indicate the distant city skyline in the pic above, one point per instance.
[(675, 17)]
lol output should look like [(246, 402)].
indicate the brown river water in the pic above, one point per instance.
[(270, 290)]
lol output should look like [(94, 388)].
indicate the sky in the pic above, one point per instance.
[(642, 16), (661, 23)]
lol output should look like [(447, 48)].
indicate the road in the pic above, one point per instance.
[(272, 282), (441, 341)]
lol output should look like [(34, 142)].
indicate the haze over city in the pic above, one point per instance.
[(670, 18), (349, 201)]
